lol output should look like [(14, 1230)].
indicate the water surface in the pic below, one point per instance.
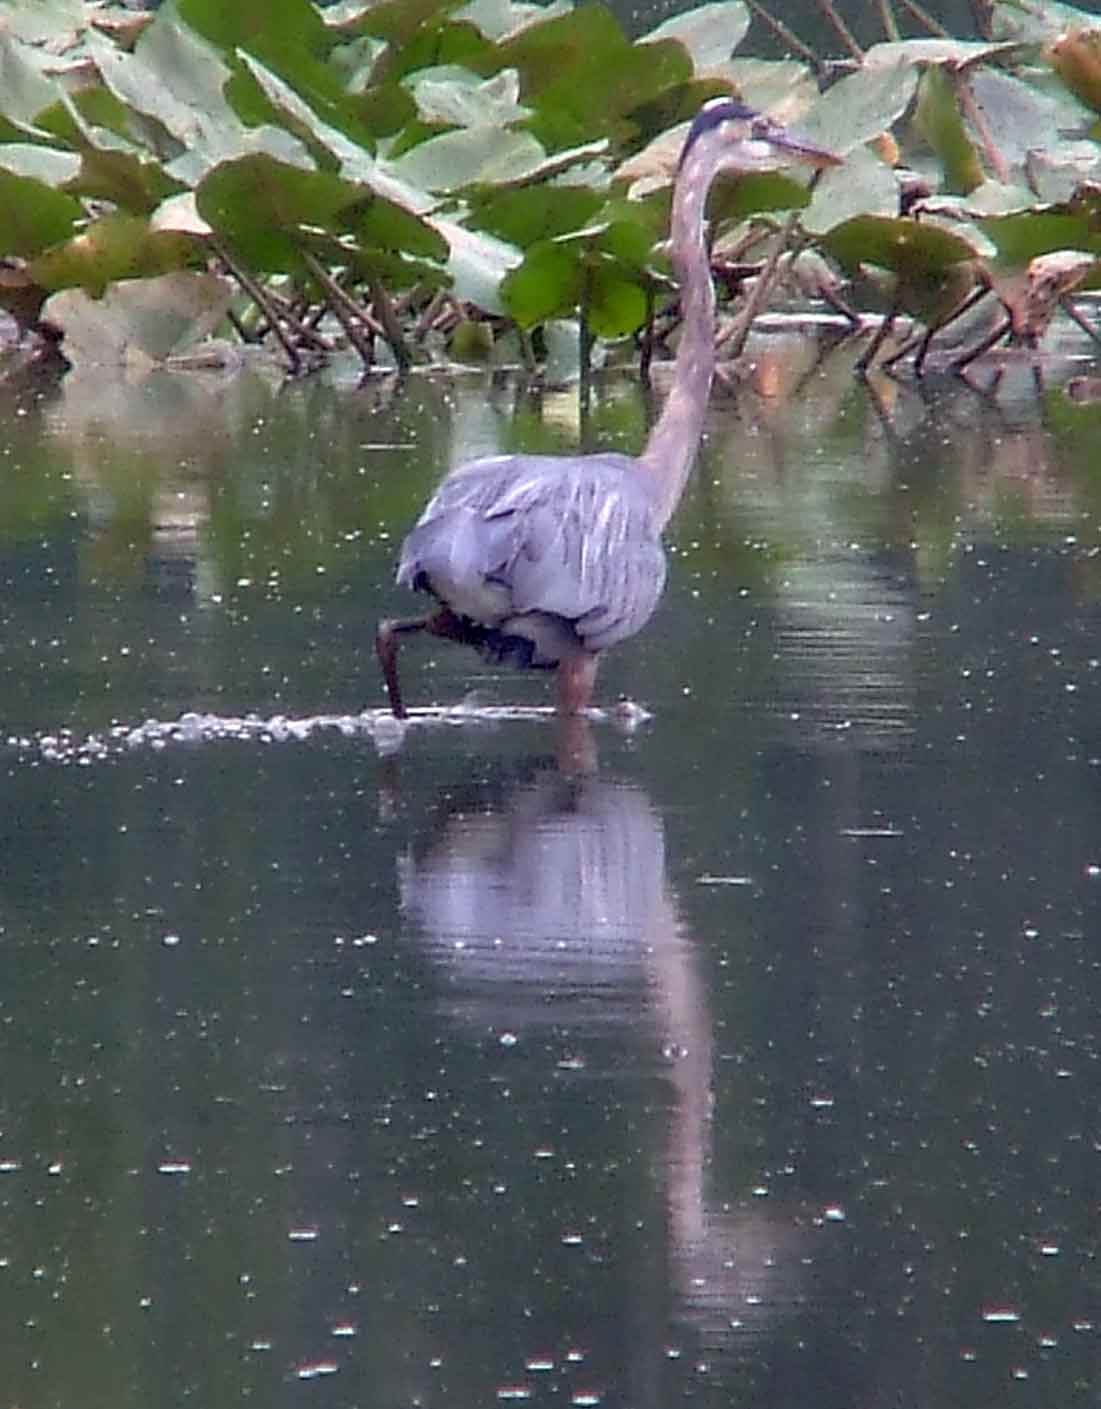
[(757, 1065)]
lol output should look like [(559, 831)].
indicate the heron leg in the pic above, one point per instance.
[(443, 623), (386, 648), (576, 678)]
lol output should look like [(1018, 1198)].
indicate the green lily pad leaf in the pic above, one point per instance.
[(180, 212), (500, 19), (1056, 173), (1021, 238), (477, 265), (783, 88), (115, 247), (902, 245), (45, 164), (1023, 118), (355, 162), (583, 77), (738, 197), (991, 198), (400, 21), (631, 230), (437, 41), (95, 117), (938, 119), (357, 62), (956, 53), (615, 305), (525, 215), (177, 78), (156, 317), (36, 215), (53, 22), (1036, 23), (455, 97), (291, 26), (128, 182), (468, 156), (262, 207), (25, 92), (861, 107), (710, 33), (863, 186), (547, 285), (330, 146)]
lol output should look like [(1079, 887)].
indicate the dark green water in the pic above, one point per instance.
[(759, 1067)]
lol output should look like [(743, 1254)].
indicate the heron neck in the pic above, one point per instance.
[(670, 450)]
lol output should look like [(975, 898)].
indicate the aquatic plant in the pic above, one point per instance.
[(427, 180)]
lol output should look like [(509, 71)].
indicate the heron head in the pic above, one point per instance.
[(747, 140)]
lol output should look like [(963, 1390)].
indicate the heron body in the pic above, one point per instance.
[(545, 561), (553, 556)]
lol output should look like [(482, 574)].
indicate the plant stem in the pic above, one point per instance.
[(890, 24), (786, 36), (924, 17), (841, 29)]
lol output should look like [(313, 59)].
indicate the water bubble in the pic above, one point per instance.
[(315, 1369)]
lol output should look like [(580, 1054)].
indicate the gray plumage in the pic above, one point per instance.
[(564, 554), (546, 561)]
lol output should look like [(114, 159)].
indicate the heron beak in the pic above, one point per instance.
[(795, 148)]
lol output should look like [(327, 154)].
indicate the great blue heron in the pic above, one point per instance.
[(544, 561)]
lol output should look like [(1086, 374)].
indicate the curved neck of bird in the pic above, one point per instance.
[(671, 446)]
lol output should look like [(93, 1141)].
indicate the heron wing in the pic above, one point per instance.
[(573, 539)]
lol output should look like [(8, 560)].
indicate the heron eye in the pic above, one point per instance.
[(762, 129)]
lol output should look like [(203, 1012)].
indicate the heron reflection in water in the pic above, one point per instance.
[(545, 561), (544, 906)]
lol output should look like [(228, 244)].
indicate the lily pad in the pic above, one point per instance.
[(45, 164), (25, 91), (477, 264), (902, 245), (863, 186), (614, 306), (783, 88), (500, 19), (115, 247), (547, 285), (940, 122), (177, 78), (456, 97), (710, 33), (467, 156), (35, 215), (861, 106), (262, 207), (583, 77), (525, 215)]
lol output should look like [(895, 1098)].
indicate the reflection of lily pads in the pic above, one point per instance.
[(156, 317)]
